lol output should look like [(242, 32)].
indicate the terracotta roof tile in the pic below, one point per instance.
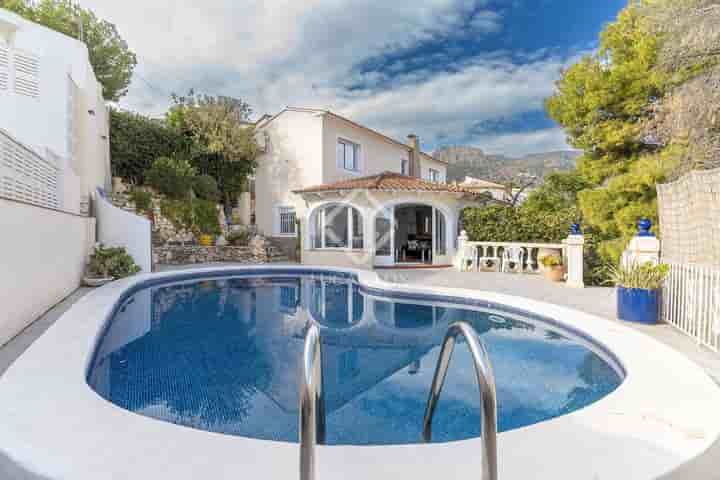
[(389, 181)]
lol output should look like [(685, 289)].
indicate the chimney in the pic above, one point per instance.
[(414, 163)]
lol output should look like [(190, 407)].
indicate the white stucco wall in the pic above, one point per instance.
[(293, 160), (43, 255), (58, 118), (118, 228), (377, 154), (427, 162)]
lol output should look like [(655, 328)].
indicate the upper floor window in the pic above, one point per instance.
[(434, 175), (405, 167), (348, 155)]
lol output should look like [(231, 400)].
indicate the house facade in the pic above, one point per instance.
[(346, 195), (53, 117)]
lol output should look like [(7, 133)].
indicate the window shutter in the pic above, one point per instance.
[(340, 155), (4, 68), (359, 160), (27, 74)]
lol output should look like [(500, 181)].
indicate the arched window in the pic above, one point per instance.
[(337, 226)]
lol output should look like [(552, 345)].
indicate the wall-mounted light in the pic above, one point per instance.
[(91, 112)]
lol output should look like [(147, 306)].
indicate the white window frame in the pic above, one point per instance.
[(318, 218), (280, 223), (343, 162), (405, 166), (434, 175)]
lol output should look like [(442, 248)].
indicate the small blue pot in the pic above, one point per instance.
[(638, 305)]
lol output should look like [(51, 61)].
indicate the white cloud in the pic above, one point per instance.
[(274, 53)]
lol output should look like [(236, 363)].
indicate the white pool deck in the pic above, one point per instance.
[(663, 421)]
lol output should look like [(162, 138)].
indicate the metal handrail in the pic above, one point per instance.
[(488, 397), (312, 405)]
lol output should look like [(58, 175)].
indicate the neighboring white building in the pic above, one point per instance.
[(50, 103), (362, 199)]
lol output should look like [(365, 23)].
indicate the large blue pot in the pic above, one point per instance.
[(638, 305)]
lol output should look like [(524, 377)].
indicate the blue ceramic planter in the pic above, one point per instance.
[(638, 305)]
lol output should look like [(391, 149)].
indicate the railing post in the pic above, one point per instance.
[(644, 247), (462, 240), (574, 258)]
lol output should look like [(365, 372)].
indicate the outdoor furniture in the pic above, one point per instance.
[(486, 254), (468, 258), (512, 255)]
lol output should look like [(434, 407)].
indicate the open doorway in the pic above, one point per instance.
[(414, 234)]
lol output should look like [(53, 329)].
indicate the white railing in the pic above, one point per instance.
[(691, 302), (490, 255), (521, 257)]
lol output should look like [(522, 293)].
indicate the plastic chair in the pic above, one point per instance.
[(514, 255), (468, 260)]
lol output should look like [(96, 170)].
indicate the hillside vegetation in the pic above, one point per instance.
[(643, 109)]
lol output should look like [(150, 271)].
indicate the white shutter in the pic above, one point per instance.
[(27, 74), (4, 68), (340, 154)]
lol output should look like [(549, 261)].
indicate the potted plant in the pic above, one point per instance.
[(554, 269), (108, 264), (639, 289)]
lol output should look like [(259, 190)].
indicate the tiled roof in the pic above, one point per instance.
[(389, 181)]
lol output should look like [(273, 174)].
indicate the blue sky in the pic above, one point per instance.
[(455, 72)]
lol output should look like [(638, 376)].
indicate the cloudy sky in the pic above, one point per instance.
[(470, 72)]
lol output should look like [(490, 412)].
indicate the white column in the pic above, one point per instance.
[(575, 260), (644, 247), (462, 239), (244, 209)]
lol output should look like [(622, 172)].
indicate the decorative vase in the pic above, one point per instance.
[(638, 305), (546, 252), (205, 240), (554, 274)]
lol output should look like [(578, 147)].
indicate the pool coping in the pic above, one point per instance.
[(55, 426)]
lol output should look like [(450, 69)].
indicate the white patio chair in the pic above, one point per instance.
[(468, 258), (488, 254), (512, 255)]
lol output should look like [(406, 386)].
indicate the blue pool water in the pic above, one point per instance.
[(224, 355)]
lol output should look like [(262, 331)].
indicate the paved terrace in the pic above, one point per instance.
[(596, 300)]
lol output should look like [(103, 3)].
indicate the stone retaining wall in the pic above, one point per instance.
[(193, 254)]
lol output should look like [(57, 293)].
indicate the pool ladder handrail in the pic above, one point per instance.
[(488, 396), (312, 404)]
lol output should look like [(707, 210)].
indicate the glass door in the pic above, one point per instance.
[(384, 237)]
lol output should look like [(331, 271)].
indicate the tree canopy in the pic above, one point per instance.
[(223, 142), (110, 56)]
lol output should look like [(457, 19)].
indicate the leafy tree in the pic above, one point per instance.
[(171, 177), (603, 102), (110, 56), (224, 144), (136, 141)]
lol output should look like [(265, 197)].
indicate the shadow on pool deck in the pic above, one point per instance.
[(599, 301)]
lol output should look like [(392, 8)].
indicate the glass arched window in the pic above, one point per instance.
[(337, 226)]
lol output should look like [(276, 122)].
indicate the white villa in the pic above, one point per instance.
[(361, 199)]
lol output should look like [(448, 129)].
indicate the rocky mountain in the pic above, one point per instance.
[(471, 161)]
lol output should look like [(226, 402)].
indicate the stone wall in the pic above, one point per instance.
[(254, 253)]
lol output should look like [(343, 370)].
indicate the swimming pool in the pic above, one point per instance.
[(223, 354)]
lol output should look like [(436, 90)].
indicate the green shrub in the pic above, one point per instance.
[(206, 217), (197, 216), (135, 141), (112, 262), (646, 276), (179, 212), (206, 188), (171, 177), (142, 200), (239, 238), (500, 223)]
